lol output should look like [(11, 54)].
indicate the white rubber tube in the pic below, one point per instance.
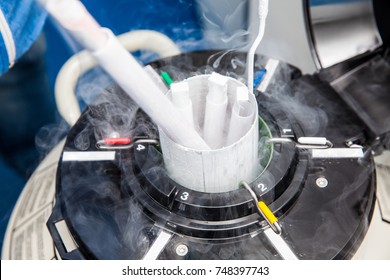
[(149, 40), (65, 85)]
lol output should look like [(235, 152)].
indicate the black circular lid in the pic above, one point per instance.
[(117, 202)]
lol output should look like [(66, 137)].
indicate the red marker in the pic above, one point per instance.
[(117, 141)]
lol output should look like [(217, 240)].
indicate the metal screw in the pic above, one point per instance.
[(181, 250), (322, 182)]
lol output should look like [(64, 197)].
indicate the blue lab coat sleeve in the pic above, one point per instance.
[(21, 22)]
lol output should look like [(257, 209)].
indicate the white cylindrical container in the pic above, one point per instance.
[(218, 170)]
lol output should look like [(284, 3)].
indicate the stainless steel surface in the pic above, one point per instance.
[(342, 29), (286, 37)]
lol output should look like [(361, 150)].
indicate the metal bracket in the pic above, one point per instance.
[(100, 145), (263, 210)]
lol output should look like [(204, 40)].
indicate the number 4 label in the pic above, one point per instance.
[(140, 147)]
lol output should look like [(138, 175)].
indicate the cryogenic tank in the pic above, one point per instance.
[(317, 178)]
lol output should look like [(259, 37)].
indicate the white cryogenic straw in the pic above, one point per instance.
[(242, 116), (124, 69), (74, 17), (263, 12), (182, 101), (215, 112)]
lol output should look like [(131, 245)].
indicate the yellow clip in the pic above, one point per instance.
[(263, 210), (269, 217), (267, 212)]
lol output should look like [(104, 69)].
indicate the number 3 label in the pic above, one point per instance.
[(184, 196)]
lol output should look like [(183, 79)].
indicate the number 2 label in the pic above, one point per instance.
[(262, 187)]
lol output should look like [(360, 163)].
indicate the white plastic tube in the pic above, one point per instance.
[(78, 64), (74, 17), (215, 112), (131, 77), (124, 69), (242, 116), (263, 12), (182, 101)]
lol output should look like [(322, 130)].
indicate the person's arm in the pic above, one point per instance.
[(21, 22)]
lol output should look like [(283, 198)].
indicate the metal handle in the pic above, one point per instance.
[(306, 142), (263, 210), (101, 145)]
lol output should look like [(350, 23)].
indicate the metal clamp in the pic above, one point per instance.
[(101, 145), (263, 210), (356, 141), (305, 142)]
